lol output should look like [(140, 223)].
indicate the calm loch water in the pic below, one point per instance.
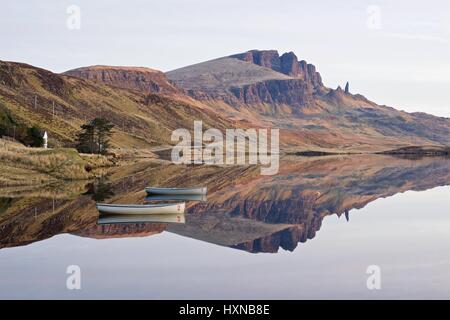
[(311, 231)]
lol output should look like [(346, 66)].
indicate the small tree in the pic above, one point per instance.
[(85, 139), (34, 137), (94, 137), (103, 129)]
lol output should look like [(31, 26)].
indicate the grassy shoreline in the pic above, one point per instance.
[(24, 166), (20, 165)]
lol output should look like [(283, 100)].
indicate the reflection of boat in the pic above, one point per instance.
[(137, 218), (172, 191), (184, 197), (141, 209)]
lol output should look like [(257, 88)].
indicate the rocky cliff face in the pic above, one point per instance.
[(287, 63), (144, 80), (282, 80), (294, 92)]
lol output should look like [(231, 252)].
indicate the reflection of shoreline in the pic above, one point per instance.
[(124, 226), (244, 210), (54, 190), (121, 230)]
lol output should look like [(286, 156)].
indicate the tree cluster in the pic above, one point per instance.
[(94, 136)]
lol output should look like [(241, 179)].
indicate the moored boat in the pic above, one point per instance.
[(141, 209)]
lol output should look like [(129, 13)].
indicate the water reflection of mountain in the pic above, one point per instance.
[(121, 230), (244, 209)]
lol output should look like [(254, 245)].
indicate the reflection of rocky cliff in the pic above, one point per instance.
[(124, 230), (305, 191), (325, 186), (244, 209), (246, 234), (286, 239)]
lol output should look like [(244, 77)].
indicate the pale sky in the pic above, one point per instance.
[(393, 52)]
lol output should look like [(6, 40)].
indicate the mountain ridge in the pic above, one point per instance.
[(60, 104), (238, 91), (141, 79), (302, 101)]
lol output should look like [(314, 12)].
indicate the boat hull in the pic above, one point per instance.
[(176, 191), (175, 197), (155, 209)]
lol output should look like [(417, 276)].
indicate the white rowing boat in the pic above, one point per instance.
[(141, 209), (172, 191)]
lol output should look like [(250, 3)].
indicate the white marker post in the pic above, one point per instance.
[(45, 137)]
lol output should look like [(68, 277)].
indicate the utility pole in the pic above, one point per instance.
[(53, 109)]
